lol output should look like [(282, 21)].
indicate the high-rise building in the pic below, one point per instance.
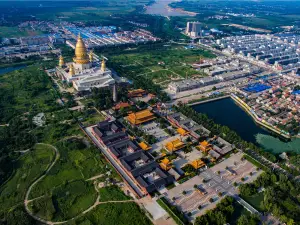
[(193, 29)]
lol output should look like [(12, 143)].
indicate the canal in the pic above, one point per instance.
[(226, 112)]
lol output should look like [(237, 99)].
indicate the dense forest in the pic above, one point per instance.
[(22, 94)]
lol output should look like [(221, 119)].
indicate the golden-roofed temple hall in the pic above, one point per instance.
[(140, 117), (84, 72)]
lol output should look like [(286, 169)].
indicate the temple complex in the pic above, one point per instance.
[(140, 117), (175, 145), (84, 73)]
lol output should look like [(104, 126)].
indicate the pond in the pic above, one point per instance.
[(226, 112)]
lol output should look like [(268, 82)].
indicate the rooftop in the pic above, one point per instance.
[(175, 145), (140, 117)]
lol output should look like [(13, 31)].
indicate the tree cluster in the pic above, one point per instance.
[(218, 216), (281, 196)]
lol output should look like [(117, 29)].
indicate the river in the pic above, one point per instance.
[(10, 69), (160, 8), (227, 113)]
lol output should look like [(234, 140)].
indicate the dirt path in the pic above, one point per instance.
[(27, 201), (95, 177)]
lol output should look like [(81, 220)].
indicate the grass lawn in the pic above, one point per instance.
[(65, 201), (93, 119), (27, 168), (160, 62), (255, 201), (116, 214), (112, 193), (77, 162)]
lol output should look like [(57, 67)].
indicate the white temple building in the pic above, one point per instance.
[(84, 73)]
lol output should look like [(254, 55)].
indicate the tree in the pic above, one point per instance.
[(291, 222), (248, 189), (243, 220), (273, 178)]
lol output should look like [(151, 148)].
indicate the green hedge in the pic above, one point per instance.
[(256, 163)]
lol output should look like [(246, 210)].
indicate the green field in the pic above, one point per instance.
[(159, 62), (27, 168), (65, 201), (14, 32), (269, 15), (92, 117), (77, 162), (111, 193)]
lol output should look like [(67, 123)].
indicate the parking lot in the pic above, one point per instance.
[(234, 169), (211, 184)]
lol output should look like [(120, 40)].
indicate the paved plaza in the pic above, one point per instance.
[(154, 129), (212, 183)]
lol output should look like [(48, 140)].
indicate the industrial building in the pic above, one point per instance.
[(106, 35)]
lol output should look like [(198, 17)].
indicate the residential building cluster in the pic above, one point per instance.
[(275, 102), (278, 52), (32, 45), (220, 69)]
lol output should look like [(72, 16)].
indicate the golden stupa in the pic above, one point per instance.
[(81, 56), (103, 66), (61, 61), (91, 56), (71, 70)]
